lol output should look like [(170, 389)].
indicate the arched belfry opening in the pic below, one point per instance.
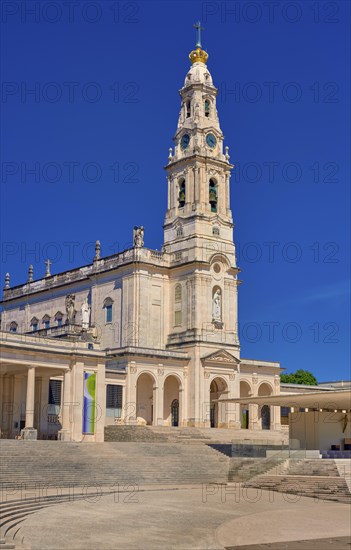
[(182, 193), (213, 194)]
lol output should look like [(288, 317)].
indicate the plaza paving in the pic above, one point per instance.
[(192, 517)]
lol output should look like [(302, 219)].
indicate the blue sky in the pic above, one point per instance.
[(97, 127)]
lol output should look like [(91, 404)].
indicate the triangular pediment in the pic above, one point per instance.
[(221, 356)]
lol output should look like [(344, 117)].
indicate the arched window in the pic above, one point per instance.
[(108, 310), (13, 326), (181, 196), (179, 231), (207, 108), (178, 293), (46, 321), (213, 197), (188, 107), (59, 318), (34, 324)]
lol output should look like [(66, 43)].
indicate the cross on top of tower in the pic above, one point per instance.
[(198, 28), (198, 54)]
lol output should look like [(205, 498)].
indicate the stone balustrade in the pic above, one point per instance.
[(145, 255)]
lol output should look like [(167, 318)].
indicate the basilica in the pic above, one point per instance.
[(142, 337)]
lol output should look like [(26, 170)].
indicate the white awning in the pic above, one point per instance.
[(331, 400)]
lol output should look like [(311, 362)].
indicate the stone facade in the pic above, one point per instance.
[(166, 322)]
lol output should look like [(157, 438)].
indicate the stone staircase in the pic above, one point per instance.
[(62, 464), (14, 512), (243, 469), (344, 469), (132, 433), (37, 474), (221, 435), (321, 479)]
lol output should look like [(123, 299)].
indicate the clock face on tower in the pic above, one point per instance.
[(184, 142), (211, 140)]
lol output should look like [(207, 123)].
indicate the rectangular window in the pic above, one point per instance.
[(284, 415), (59, 321), (178, 318), (114, 400), (35, 326), (109, 313), (47, 324), (55, 390)]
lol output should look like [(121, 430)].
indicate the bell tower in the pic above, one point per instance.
[(198, 228), (198, 218)]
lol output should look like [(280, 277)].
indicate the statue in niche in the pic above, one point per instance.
[(70, 299), (197, 113), (138, 237), (85, 312), (217, 306)]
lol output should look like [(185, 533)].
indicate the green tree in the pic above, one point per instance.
[(299, 377)]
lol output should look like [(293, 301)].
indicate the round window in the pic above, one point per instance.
[(217, 268)]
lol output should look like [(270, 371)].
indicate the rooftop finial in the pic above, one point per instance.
[(198, 54), (30, 274), (198, 28), (47, 271), (97, 250), (7, 280)]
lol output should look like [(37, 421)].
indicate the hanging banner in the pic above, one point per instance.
[(89, 404)]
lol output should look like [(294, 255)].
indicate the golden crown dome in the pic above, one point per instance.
[(198, 54)]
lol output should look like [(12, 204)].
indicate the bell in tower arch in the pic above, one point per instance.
[(181, 196), (213, 197)]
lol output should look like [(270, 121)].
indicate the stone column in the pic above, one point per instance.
[(76, 418), (254, 420), (235, 417), (29, 432), (169, 193), (181, 396), (129, 410), (42, 408), (65, 433), (204, 415), (156, 391), (100, 403), (158, 395), (276, 418)]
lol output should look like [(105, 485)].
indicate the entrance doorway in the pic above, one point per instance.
[(145, 398), (245, 391), (175, 412), (265, 389), (266, 417), (218, 418), (171, 415)]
